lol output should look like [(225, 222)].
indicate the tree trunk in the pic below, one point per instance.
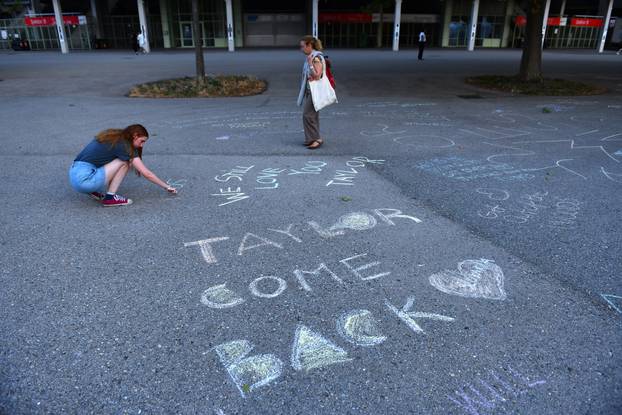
[(531, 61), (380, 28), (198, 43)]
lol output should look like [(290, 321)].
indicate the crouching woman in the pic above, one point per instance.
[(102, 165)]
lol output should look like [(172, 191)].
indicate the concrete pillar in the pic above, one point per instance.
[(230, 33), (96, 22), (545, 19), (562, 11), (60, 26), (380, 31), (603, 37), (237, 25), (142, 17), (507, 23), (449, 5), (166, 28), (473, 29), (396, 25), (315, 16)]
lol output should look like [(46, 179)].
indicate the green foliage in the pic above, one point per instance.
[(11, 10), (373, 6)]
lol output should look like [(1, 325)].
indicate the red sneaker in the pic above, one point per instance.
[(116, 200), (97, 195)]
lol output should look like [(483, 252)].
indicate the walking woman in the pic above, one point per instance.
[(142, 41), (134, 42), (104, 162), (311, 71)]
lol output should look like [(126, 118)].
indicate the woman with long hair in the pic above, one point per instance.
[(312, 70), (104, 162)]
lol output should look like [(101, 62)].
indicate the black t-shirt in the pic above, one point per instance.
[(103, 153)]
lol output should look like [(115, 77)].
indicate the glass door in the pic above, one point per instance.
[(186, 29), (187, 38)]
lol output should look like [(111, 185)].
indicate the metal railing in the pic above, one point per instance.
[(43, 37)]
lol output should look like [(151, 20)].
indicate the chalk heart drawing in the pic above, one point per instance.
[(475, 278)]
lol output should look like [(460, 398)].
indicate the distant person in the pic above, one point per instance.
[(142, 41), (422, 40), (102, 165), (16, 42), (311, 71), (134, 41)]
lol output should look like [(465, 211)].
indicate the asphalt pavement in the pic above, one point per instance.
[(448, 249)]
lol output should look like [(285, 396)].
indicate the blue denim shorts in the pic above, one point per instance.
[(86, 178)]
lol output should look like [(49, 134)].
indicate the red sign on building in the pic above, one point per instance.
[(552, 21), (50, 20), (586, 22), (345, 17)]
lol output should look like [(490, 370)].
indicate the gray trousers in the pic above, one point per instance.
[(310, 119)]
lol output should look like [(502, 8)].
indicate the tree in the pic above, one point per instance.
[(198, 43), (531, 61), (379, 6), (11, 11)]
